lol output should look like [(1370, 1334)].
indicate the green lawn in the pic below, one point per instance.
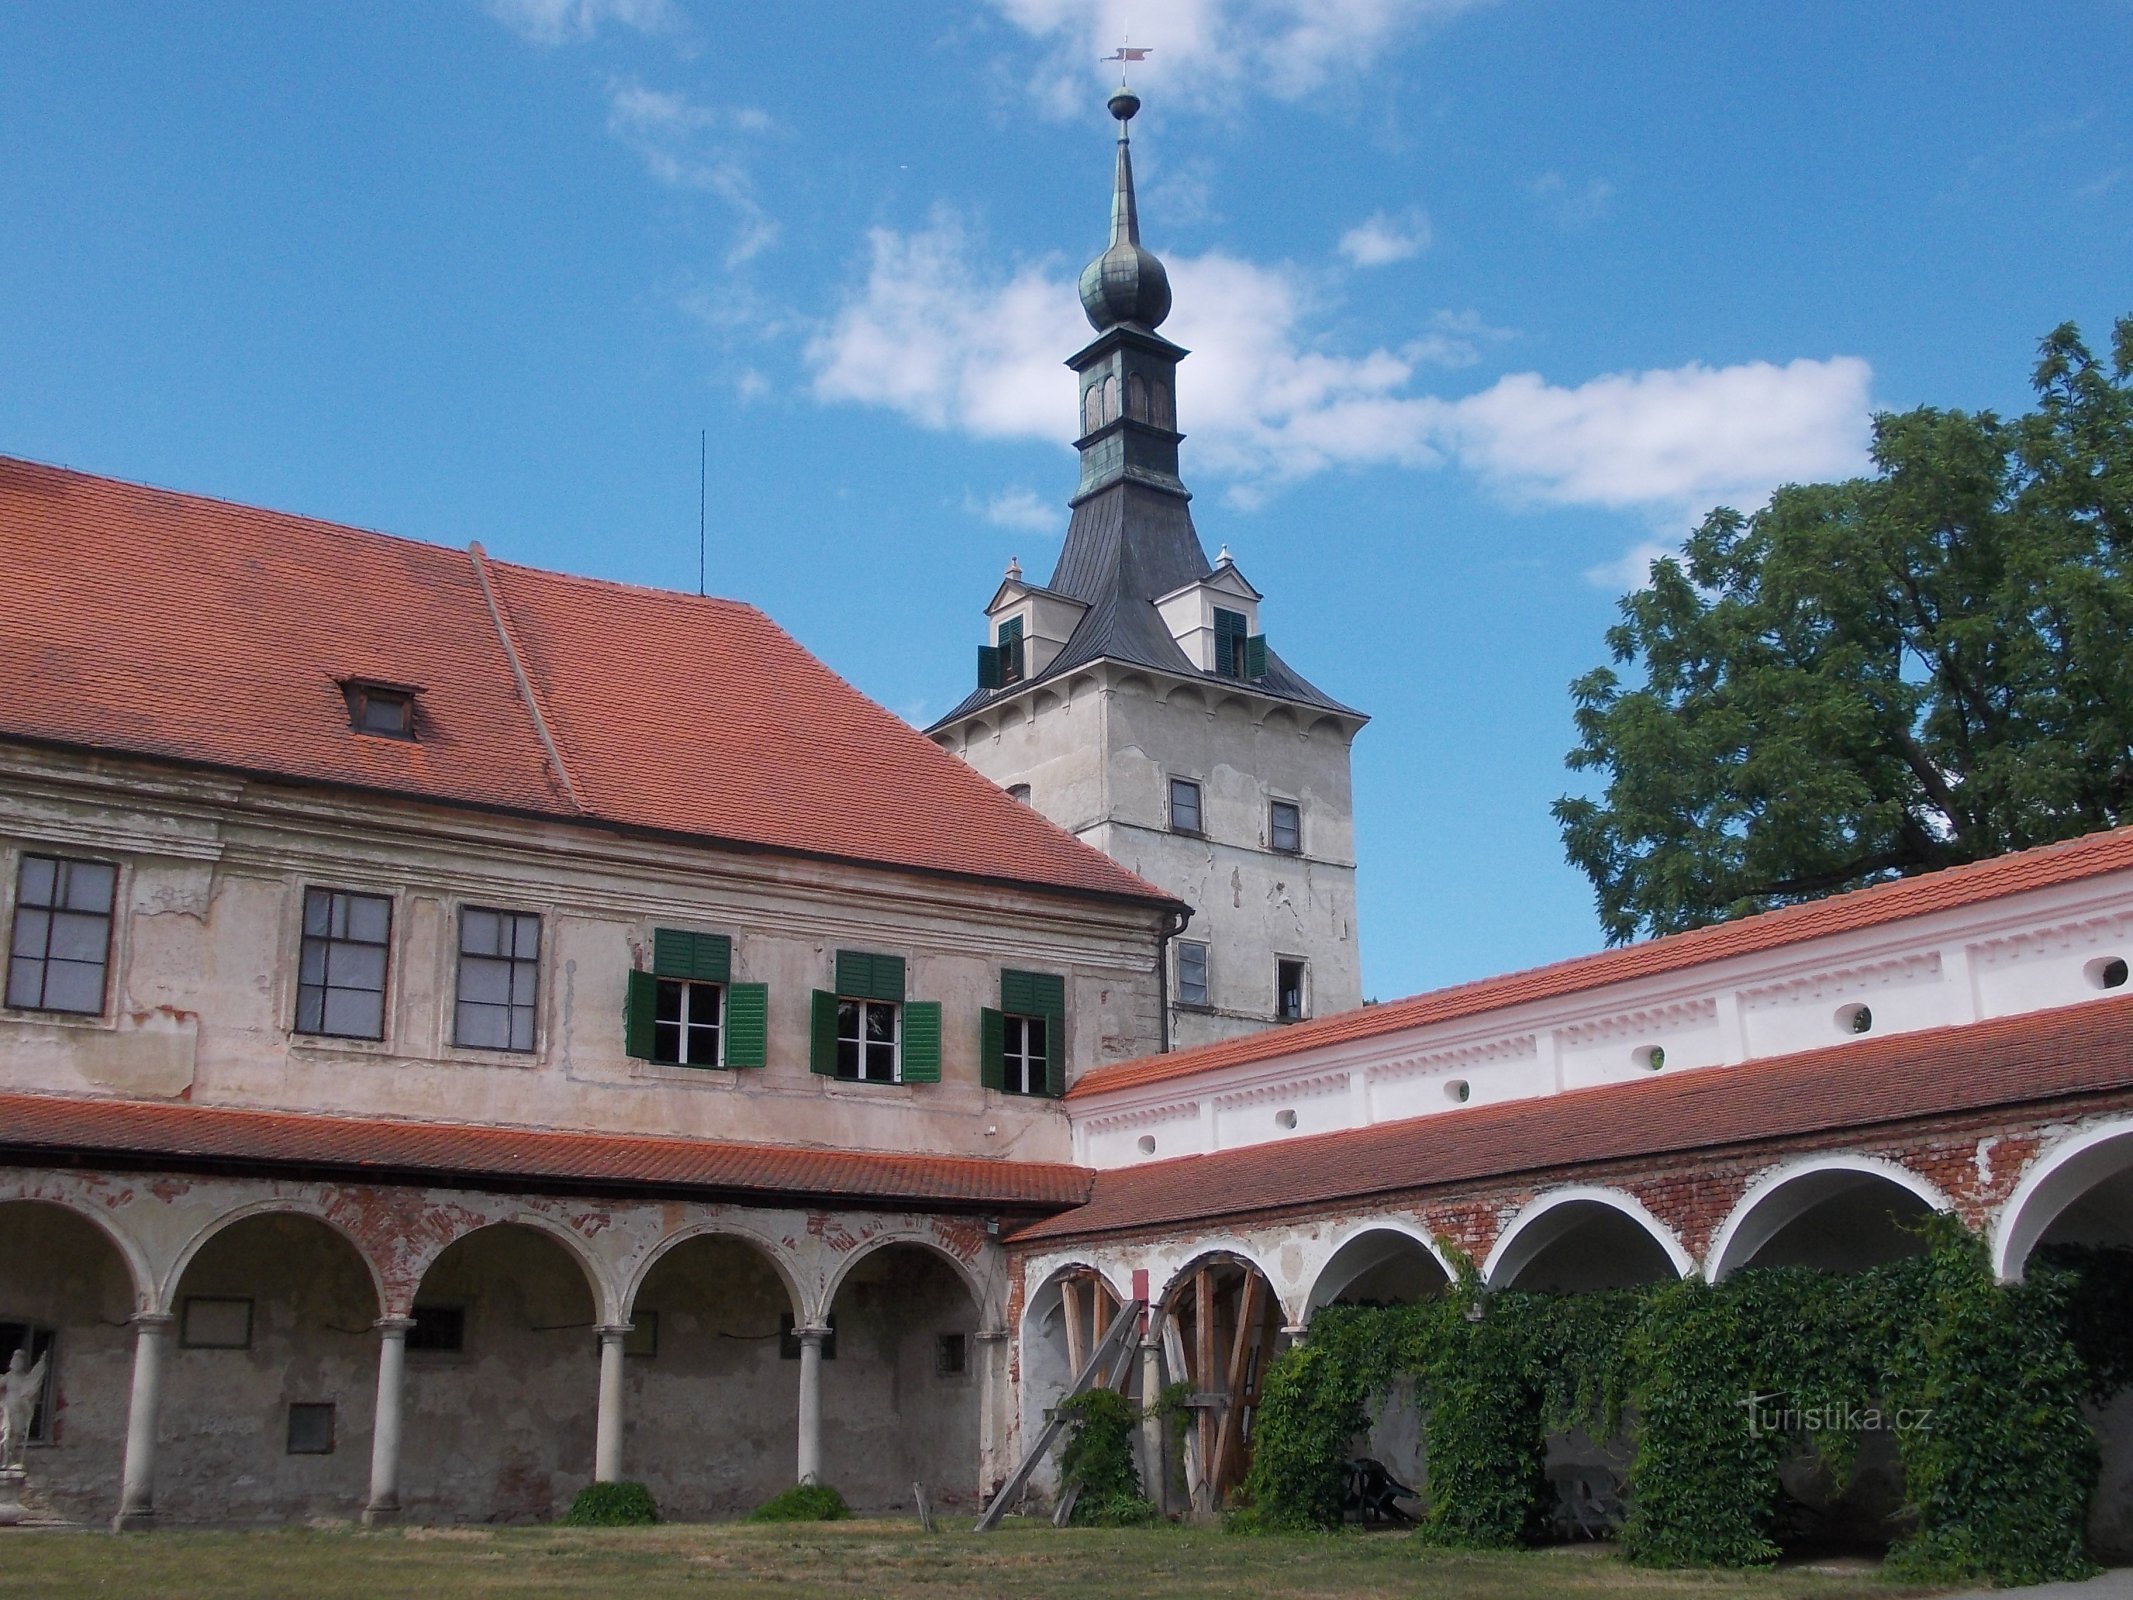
[(878, 1560)]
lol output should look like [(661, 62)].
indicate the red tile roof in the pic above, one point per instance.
[(2038, 1057), (2041, 868), (167, 625), (41, 1125)]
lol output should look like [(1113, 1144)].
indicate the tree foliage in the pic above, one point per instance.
[(1870, 679)]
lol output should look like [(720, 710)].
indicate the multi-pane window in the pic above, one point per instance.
[(866, 1040), (499, 979), (1192, 973), (1023, 1054), (1284, 826), (62, 937), (381, 709), (685, 1023), (1289, 990), (1184, 806), (340, 987)]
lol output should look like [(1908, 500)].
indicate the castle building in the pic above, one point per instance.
[(1134, 699)]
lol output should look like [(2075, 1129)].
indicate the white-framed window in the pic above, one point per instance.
[(1184, 806), (1024, 1041), (59, 952), (1285, 827), (1192, 972), (866, 1040), (340, 989), (499, 979), (687, 1019)]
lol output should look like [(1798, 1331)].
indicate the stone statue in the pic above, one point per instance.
[(20, 1390)]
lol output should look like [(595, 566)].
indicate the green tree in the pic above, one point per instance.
[(1864, 680)]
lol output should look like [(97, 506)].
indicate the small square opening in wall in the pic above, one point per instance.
[(311, 1428), (438, 1328), (951, 1354), (1289, 979), (213, 1322)]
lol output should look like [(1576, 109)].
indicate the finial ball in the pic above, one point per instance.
[(1124, 103)]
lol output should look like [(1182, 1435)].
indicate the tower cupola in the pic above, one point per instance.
[(1126, 283)]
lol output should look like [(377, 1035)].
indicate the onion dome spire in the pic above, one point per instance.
[(1125, 283)]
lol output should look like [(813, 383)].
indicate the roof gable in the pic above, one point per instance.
[(172, 626)]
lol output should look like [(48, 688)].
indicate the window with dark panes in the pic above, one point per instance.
[(310, 1428), (1184, 806), (380, 709), (499, 979), (1289, 990), (1023, 1056), (1285, 826), (438, 1328), (340, 989), (866, 1040), (685, 1023), (61, 945), (1192, 973)]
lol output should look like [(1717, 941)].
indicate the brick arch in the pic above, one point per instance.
[(982, 1295), (2059, 1175), (1322, 1292), (1546, 1217), (275, 1205), (140, 1268), (607, 1297), (767, 1248), (1786, 1192)]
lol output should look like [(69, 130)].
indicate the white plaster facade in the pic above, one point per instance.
[(1995, 957)]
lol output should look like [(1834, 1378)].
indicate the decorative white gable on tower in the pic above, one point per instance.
[(1134, 700)]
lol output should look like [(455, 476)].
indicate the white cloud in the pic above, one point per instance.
[(1211, 50), (928, 336), (1630, 570), (569, 21), (682, 146), (1379, 240), (1018, 511)]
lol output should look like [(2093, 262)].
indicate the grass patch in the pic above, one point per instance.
[(873, 1559)]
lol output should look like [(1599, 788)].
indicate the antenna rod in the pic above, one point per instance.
[(703, 482)]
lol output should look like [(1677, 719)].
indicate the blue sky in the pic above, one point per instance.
[(1486, 298)]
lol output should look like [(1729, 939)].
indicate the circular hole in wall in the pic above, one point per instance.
[(1651, 1058), (1855, 1019), (2108, 973), (1147, 1144), (1458, 1091), (1284, 1119)]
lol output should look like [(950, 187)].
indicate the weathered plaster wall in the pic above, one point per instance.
[(1098, 752), (204, 956)]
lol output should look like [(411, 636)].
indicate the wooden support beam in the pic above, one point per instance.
[(1070, 1312), (1018, 1480), (1203, 1377), (1240, 1350), (1181, 1372)]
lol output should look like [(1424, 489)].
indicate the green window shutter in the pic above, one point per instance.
[(1055, 1053), (1010, 630), (822, 1036), (705, 957), (988, 667), (922, 1041), (1018, 993), (1255, 656), (1229, 629), (992, 1048), (639, 1006), (1050, 994), (747, 1024), (861, 976)]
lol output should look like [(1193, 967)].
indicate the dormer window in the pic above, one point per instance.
[(384, 709), (1233, 646), (1013, 664)]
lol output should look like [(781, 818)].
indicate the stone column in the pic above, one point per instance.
[(1155, 1483), (137, 1494), (811, 1404), (992, 1427), (607, 1432), (384, 1503)]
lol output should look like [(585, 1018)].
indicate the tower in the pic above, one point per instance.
[(1133, 698)]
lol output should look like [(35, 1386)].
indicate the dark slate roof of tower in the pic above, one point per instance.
[(1132, 540)]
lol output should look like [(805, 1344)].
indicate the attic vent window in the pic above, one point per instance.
[(384, 709)]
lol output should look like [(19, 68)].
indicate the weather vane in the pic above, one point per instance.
[(1126, 54)]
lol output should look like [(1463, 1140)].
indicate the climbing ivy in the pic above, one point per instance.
[(1098, 1461), (1716, 1387)]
